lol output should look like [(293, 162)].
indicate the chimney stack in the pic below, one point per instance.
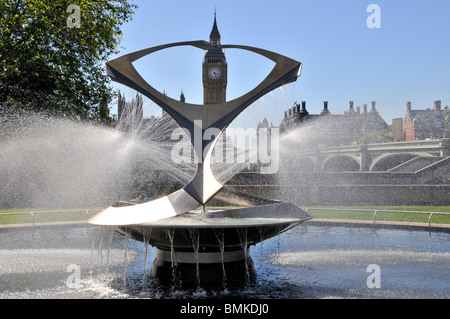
[(437, 106), (303, 112), (303, 107), (325, 108), (408, 106)]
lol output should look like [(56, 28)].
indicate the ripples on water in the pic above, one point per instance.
[(306, 262)]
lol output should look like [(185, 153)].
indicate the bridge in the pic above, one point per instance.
[(387, 174), (373, 157)]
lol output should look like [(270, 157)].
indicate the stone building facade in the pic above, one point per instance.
[(422, 124), (334, 129)]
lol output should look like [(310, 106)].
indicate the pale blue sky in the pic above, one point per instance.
[(407, 59)]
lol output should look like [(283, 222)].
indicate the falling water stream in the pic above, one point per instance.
[(195, 237), (146, 244), (170, 232), (220, 235), (242, 233), (127, 241)]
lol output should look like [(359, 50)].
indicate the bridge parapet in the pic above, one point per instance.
[(425, 146), (445, 147), (369, 156)]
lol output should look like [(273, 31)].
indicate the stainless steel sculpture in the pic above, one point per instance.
[(203, 186), (140, 219)]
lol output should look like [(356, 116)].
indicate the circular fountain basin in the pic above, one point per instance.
[(239, 227), (215, 240), (311, 260)]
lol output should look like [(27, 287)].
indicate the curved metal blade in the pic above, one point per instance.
[(168, 206)]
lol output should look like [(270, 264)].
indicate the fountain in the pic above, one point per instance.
[(189, 239), (60, 163)]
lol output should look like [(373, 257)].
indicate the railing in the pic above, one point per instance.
[(433, 145), (376, 211), (34, 213)]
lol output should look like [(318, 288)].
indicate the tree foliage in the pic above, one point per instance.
[(47, 65), (381, 136)]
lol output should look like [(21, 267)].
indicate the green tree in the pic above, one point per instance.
[(381, 136), (48, 63)]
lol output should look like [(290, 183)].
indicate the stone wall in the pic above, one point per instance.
[(353, 195), (350, 188)]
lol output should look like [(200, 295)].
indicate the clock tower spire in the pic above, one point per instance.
[(214, 36), (214, 70)]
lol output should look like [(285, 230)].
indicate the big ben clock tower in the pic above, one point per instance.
[(214, 71)]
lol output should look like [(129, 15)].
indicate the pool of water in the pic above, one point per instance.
[(308, 261)]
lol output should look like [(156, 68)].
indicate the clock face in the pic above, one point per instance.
[(214, 73)]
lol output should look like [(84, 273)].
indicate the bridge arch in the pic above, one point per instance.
[(341, 163), (387, 161)]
